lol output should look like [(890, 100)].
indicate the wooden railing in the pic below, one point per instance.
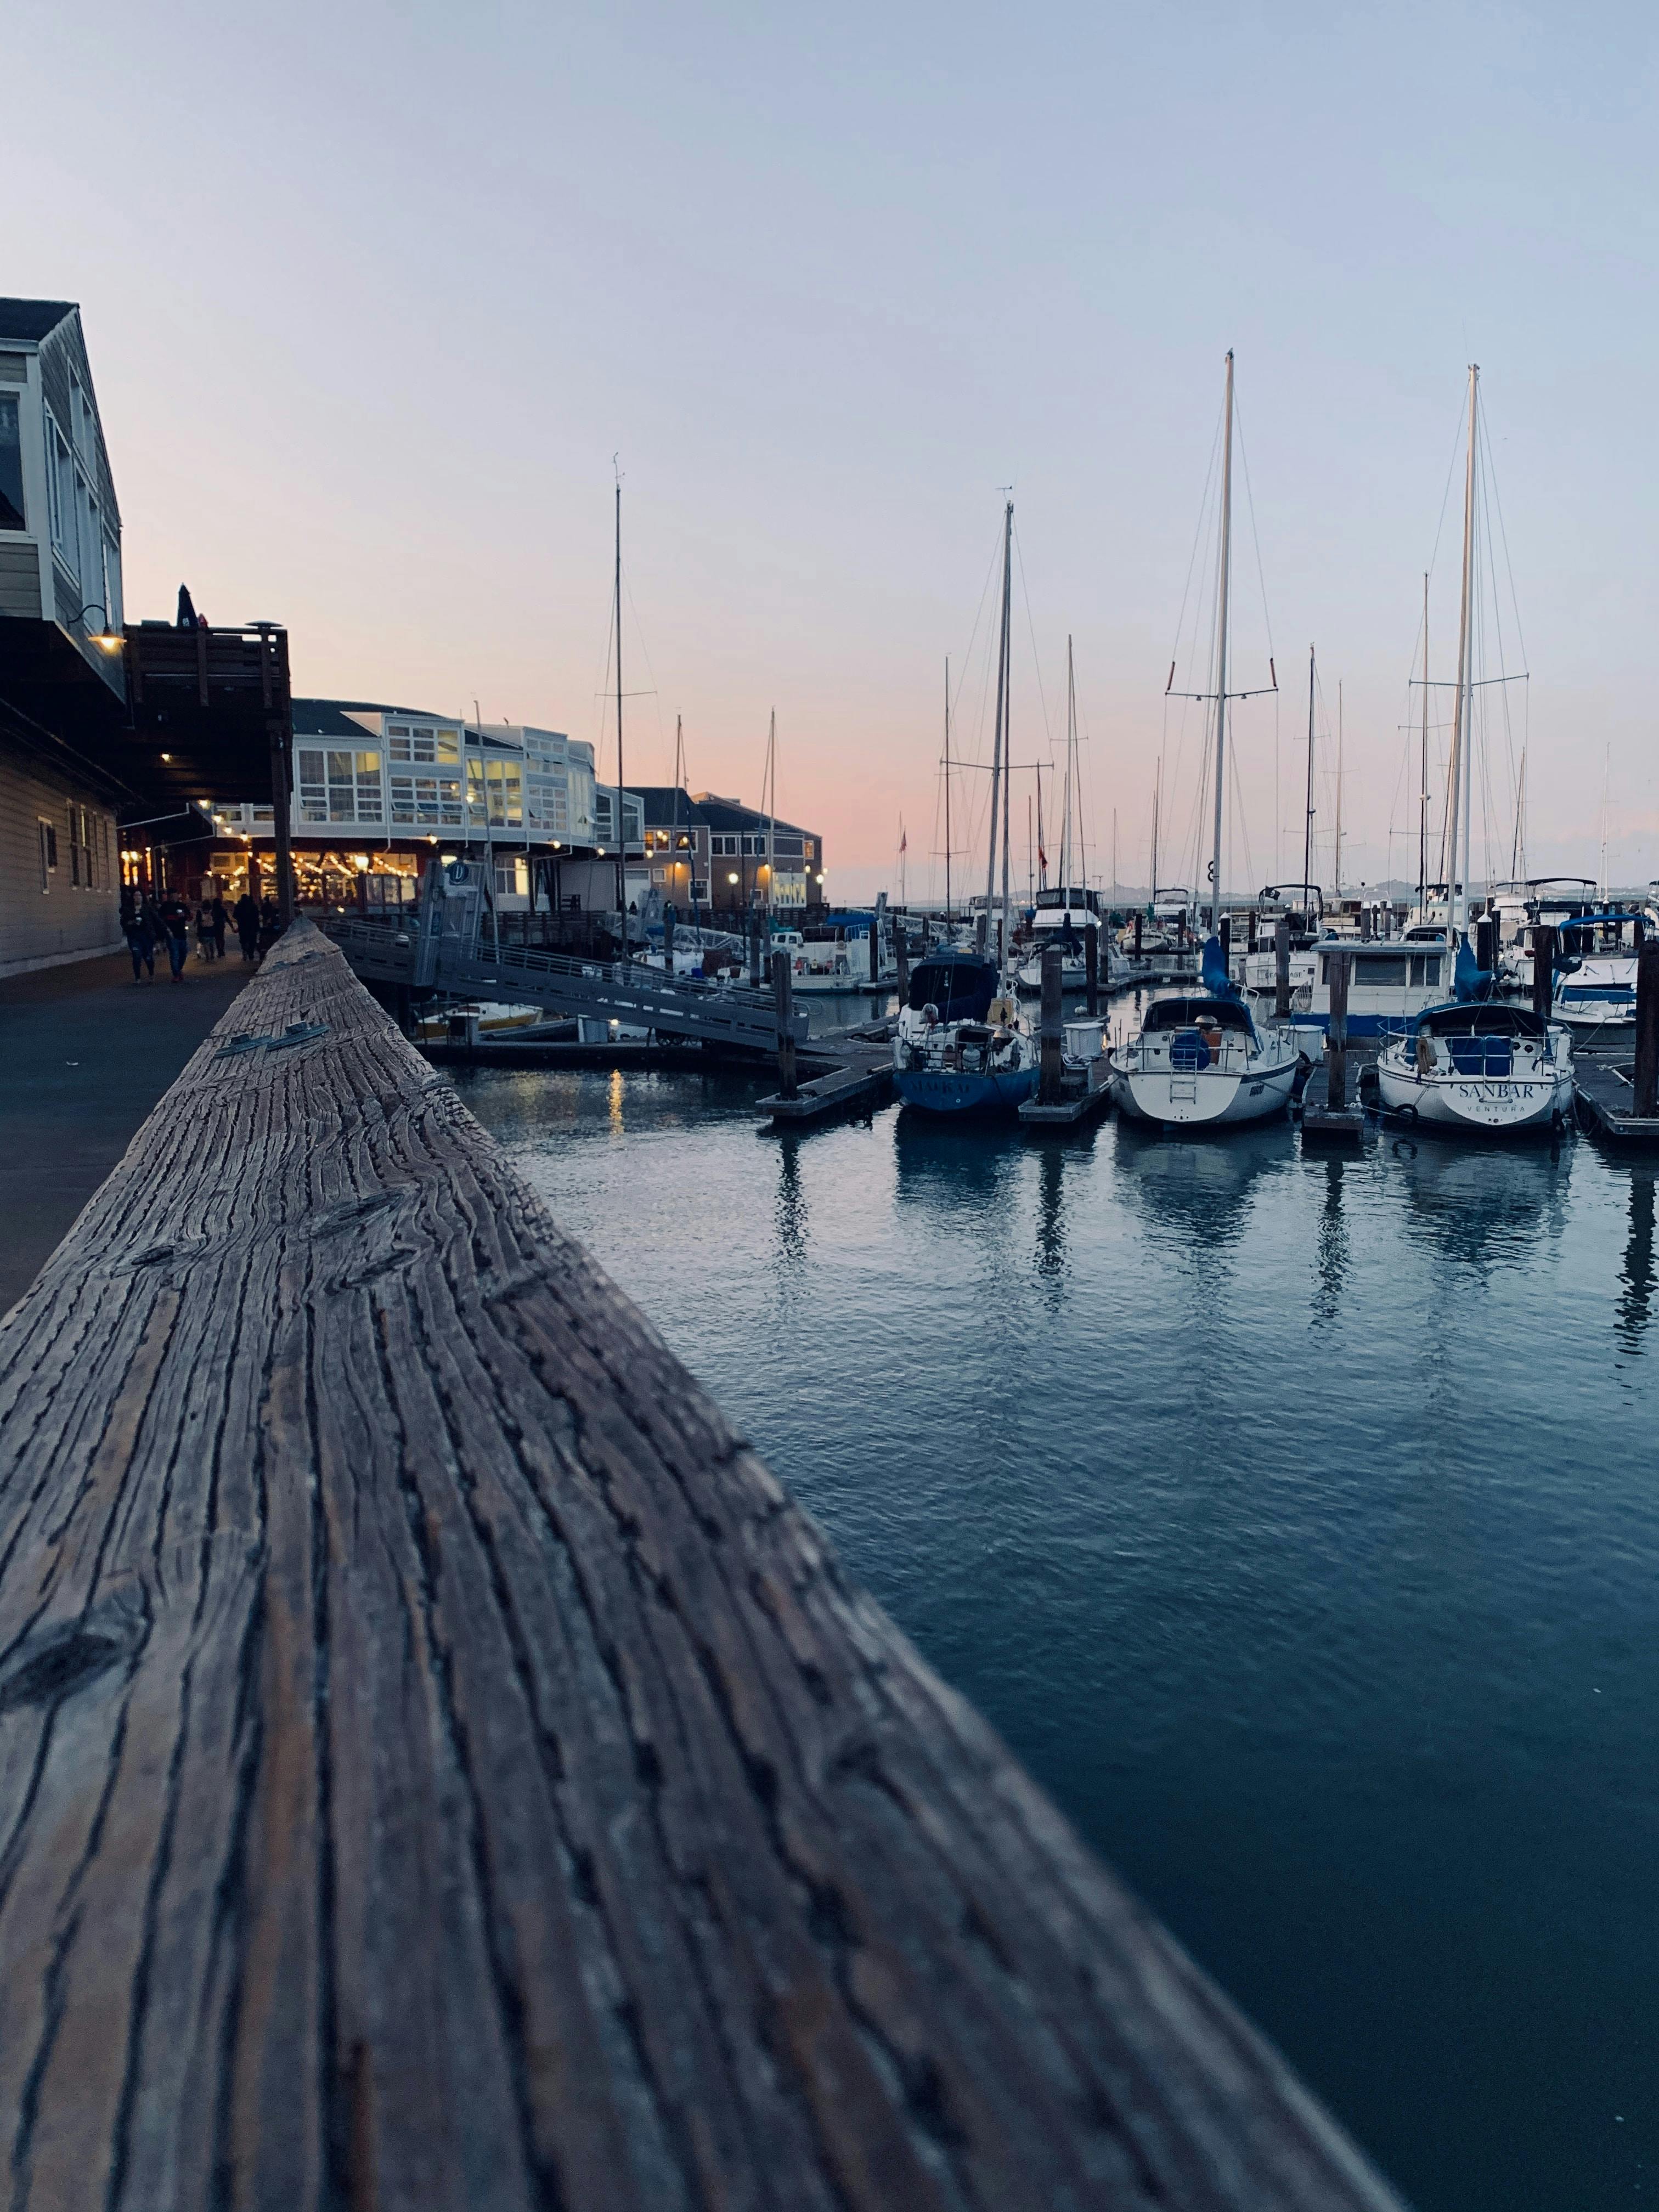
[(442, 1768)]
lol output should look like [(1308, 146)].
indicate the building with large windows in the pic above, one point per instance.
[(704, 853), (60, 659), (378, 789)]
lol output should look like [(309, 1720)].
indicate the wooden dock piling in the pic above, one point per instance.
[(1336, 1039), (784, 993), (1282, 967), (448, 1769), (1646, 1075), (1091, 970), (1053, 1020), (1543, 971)]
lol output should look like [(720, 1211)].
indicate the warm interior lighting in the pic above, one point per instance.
[(601, 851), (166, 756), (733, 878)]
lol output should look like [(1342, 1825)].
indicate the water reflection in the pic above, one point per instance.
[(1635, 1296), (1196, 1190), (1051, 1261), (790, 1213), (955, 1169), (1330, 1246), (1481, 1205)]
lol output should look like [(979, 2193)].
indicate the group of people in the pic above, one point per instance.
[(149, 924)]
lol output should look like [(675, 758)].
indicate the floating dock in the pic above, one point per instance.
[(1604, 1087), (1069, 1109)]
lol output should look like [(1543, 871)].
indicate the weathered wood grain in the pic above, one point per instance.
[(440, 1766)]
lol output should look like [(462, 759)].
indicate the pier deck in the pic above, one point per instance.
[(1604, 1083), (449, 1769)]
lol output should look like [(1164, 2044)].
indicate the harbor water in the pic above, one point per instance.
[(1295, 1520)]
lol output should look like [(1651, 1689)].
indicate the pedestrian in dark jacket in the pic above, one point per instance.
[(203, 931), (220, 919), (246, 911), (136, 927), (175, 920), (270, 925)]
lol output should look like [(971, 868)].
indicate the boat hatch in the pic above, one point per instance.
[(1186, 1013)]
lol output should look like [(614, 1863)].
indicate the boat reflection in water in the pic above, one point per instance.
[(1481, 1209)]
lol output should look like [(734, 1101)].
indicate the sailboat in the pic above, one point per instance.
[(1200, 1060), (960, 1045), (1068, 910), (1474, 1063)]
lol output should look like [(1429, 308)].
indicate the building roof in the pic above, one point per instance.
[(664, 805), (27, 321)]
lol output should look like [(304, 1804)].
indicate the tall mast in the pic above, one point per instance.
[(1041, 848), (1337, 858), (1423, 791), (1007, 726), (996, 734), (1307, 819), (1223, 587), (947, 790), (1457, 854), (772, 811), (1071, 761), (1158, 787), (621, 828)]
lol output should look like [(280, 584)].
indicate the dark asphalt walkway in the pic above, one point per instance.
[(84, 1054)]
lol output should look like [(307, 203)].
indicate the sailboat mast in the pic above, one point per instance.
[(947, 791), (1070, 760), (772, 811), (1041, 848), (1337, 859), (1157, 789), (1423, 791), (1458, 855), (996, 738), (622, 830), (1221, 646), (1007, 727), (1308, 817)]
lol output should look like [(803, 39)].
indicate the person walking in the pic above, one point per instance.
[(203, 930), (270, 925), (220, 917), (136, 928), (246, 911), (175, 920)]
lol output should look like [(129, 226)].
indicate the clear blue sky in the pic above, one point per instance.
[(374, 294)]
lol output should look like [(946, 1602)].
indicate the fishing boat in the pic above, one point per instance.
[(1474, 1063), (1595, 982), (1201, 1060), (960, 1045)]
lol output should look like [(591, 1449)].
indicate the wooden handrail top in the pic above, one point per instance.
[(442, 1768)]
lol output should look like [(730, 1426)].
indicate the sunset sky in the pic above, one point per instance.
[(374, 294)]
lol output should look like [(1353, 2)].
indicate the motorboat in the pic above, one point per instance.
[(1071, 917), (1391, 982), (1485, 1067)]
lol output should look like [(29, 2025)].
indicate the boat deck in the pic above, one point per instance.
[(1605, 1086)]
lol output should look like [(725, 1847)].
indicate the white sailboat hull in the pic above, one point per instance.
[(1491, 1106), (1209, 1097)]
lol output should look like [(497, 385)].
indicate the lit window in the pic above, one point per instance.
[(11, 463)]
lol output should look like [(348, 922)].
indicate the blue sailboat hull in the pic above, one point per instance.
[(940, 1091)]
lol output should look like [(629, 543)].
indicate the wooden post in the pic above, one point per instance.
[(1485, 944), (448, 1769), (875, 948), (755, 970), (1092, 968), (1139, 918), (1365, 923), (1646, 1071), (668, 921), (281, 730), (1336, 1040), (1282, 967), (902, 955), (783, 998), (1224, 935), (1543, 971), (1053, 1024), (362, 894)]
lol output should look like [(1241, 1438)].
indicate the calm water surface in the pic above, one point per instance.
[(1295, 1520)]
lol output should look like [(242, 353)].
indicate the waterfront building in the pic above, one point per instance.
[(60, 620), (703, 853), (377, 789)]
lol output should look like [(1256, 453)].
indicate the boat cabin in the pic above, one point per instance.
[(958, 984), (1065, 910), (1480, 1040)]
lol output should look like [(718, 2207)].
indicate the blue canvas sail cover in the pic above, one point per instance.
[(1470, 981), (1213, 971)]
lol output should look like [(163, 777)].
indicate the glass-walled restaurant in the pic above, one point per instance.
[(377, 790)]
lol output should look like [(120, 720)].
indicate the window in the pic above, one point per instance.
[(80, 830), (11, 463), (415, 742), (48, 852), (338, 786), (1426, 969), (513, 878), (429, 802)]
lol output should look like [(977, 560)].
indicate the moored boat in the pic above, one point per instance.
[(1486, 1068)]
